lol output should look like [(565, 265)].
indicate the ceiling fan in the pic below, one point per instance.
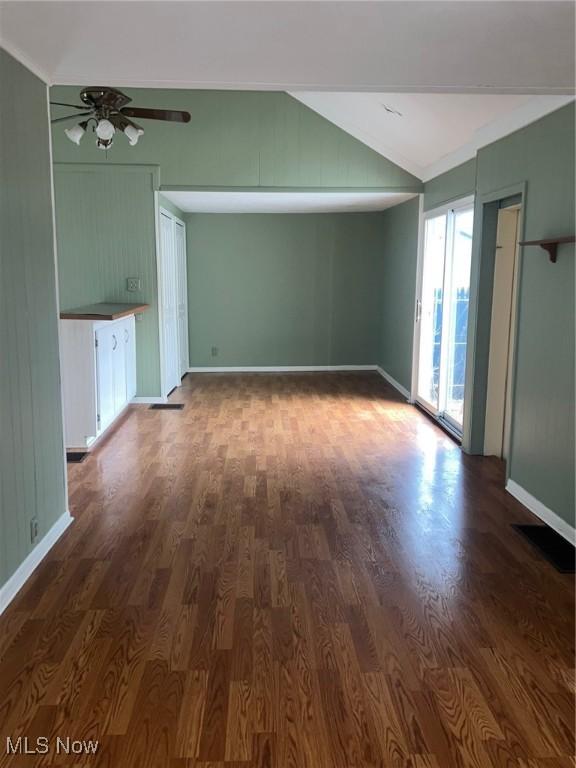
[(107, 107)]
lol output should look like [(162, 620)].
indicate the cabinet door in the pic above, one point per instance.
[(129, 336), (105, 376), (119, 366)]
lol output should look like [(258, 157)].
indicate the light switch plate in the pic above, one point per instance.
[(133, 284)]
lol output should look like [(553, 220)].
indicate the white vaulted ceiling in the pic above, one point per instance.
[(460, 74), (428, 133), (418, 46)]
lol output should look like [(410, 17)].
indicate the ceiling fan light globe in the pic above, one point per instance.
[(105, 130), (133, 134), (75, 133)]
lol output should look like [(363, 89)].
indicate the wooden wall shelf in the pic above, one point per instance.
[(550, 245)]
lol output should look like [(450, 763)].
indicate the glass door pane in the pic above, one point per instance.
[(431, 311), (457, 292)]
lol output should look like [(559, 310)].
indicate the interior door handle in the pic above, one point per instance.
[(115, 342), (418, 310), (126, 335)]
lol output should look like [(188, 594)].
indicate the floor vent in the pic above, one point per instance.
[(559, 552), (167, 407), (76, 457)]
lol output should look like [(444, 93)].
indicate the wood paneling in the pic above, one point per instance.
[(32, 467), (239, 139), (295, 571), (105, 224)]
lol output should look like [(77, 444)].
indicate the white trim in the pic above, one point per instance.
[(281, 368), (150, 400), (26, 62), (15, 583), (451, 205), (157, 207), (417, 298), (565, 530), (57, 293), (385, 375)]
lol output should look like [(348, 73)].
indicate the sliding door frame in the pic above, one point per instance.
[(452, 206)]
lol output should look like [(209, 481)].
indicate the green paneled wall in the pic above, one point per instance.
[(541, 155), (284, 289), (106, 233), (234, 139), (400, 255), (542, 454), (32, 470), (458, 182), (239, 138)]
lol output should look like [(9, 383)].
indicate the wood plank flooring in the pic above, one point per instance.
[(295, 571)]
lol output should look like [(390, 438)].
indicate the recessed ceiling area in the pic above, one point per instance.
[(427, 134), (478, 47), (199, 201)]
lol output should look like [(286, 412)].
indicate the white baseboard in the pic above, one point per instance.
[(282, 368), (15, 583), (148, 400), (542, 511), (395, 384)]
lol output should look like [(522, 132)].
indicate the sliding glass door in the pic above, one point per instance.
[(442, 312)]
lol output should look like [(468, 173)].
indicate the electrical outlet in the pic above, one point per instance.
[(133, 284), (214, 352), (33, 529)]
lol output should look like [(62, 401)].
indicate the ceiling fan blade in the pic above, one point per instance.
[(73, 106), (173, 115), (70, 117)]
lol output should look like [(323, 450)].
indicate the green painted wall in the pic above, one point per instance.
[(458, 182), (541, 155), (284, 289), (234, 139), (542, 455), (106, 233), (239, 138), (32, 470), (400, 258)]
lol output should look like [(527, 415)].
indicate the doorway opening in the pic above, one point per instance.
[(502, 331), (442, 312)]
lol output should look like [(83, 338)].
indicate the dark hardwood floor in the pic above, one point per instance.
[(295, 571)]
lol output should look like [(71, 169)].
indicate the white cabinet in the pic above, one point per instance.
[(129, 339), (98, 375)]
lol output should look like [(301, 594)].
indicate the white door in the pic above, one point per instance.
[(442, 312), (180, 238), (105, 376), (501, 335), (169, 309)]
